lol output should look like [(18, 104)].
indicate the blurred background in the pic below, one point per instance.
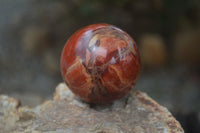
[(33, 33)]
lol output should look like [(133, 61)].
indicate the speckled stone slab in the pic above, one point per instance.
[(135, 113)]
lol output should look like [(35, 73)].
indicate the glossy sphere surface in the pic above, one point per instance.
[(100, 63)]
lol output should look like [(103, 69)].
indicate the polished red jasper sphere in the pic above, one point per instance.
[(100, 63)]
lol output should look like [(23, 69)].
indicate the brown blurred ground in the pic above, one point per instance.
[(33, 33)]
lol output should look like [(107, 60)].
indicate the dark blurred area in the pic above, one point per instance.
[(33, 33)]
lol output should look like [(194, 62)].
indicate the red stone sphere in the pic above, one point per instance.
[(100, 63)]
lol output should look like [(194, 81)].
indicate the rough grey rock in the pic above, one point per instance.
[(135, 113)]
